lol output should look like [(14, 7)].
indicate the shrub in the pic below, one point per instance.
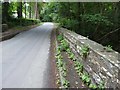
[(69, 23), (21, 22)]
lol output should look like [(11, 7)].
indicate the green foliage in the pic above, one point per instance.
[(64, 45), (78, 67), (85, 51), (71, 55), (109, 48), (87, 19), (61, 65), (14, 12), (68, 51), (59, 57), (65, 83), (96, 18), (22, 22), (86, 78), (13, 8), (64, 73), (92, 86), (60, 37), (58, 52), (54, 17), (47, 18), (68, 23), (101, 86), (48, 12)]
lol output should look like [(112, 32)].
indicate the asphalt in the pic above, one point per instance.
[(25, 58)]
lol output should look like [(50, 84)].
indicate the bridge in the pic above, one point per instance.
[(29, 60)]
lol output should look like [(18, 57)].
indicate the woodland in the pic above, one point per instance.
[(99, 21)]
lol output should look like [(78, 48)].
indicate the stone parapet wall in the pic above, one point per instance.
[(100, 64)]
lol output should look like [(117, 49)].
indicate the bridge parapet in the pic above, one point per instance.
[(99, 63)]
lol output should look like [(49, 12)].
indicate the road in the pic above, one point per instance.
[(25, 58)]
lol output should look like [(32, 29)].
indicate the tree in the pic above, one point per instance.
[(5, 11), (88, 19), (19, 10), (25, 9), (30, 12)]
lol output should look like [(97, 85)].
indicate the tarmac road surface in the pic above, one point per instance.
[(25, 58)]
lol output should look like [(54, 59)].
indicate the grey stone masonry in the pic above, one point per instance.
[(4, 27), (99, 63)]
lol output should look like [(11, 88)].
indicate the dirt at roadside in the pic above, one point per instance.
[(52, 63)]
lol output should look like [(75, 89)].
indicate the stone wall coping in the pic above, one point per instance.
[(112, 57)]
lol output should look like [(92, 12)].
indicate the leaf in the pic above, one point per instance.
[(88, 80), (83, 77)]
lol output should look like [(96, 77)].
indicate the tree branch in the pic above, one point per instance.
[(109, 33)]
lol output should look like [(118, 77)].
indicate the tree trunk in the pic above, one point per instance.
[(5, 13), (19, 10), (25, 10), (35, 8), (30, 10)]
